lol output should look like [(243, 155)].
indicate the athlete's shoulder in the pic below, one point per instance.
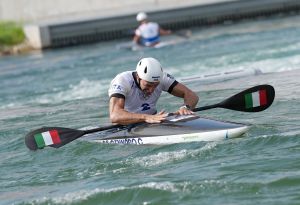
[(168, 76), (121, 83), (153, 23), (125, 73), (124, 76)]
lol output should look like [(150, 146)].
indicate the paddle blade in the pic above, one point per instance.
[(51, 136), (254, 99)]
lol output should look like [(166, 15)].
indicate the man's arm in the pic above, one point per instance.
[(137, 39), (120, 116), (190, 98), (164, 32)]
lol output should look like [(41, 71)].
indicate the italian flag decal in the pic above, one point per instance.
[(47, 138), (256, 99)]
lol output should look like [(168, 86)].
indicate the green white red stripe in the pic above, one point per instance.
[(256, 99), (47, 138)]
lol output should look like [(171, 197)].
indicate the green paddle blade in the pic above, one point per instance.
[(51, 136), (254, 99)]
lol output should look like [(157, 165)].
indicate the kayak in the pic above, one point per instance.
[(169, 40), (134, 47), (176, 129)]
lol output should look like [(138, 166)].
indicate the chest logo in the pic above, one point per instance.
[(145, 106)]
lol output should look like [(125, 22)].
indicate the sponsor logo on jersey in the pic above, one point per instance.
[(145, 106), (117, 87), (170, 76)]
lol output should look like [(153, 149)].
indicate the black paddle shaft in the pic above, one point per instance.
[(206, 107)]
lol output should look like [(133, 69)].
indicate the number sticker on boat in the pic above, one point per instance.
[(175, 118), (137, 141)]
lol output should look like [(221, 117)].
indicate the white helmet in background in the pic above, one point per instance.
[(149, 69), (141, 16)]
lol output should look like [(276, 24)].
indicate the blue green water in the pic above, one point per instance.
[(68, 88)]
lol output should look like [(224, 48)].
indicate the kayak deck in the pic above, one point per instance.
[(177, 129)]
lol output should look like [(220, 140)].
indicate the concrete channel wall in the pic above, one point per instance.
[(37, 10), (67, 32)]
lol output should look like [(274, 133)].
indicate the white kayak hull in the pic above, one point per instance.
[(184, 130), (182, 138)]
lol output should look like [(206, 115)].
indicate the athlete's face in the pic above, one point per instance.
[(148, 87)]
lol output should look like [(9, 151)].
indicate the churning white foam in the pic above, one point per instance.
[(166, 157), (85, 89)]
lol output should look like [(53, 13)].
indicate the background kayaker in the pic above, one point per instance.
[(134, 94), (148, 33)]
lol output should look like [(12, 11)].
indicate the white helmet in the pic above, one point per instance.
[(149, 69), (141, 16)]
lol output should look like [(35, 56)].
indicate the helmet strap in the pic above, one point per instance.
[(137, 80)]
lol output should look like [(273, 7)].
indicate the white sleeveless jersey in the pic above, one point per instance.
[(135, 101), (149, 33)]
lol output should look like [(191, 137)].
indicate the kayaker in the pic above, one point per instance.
[(134, 94), (148, 33)]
